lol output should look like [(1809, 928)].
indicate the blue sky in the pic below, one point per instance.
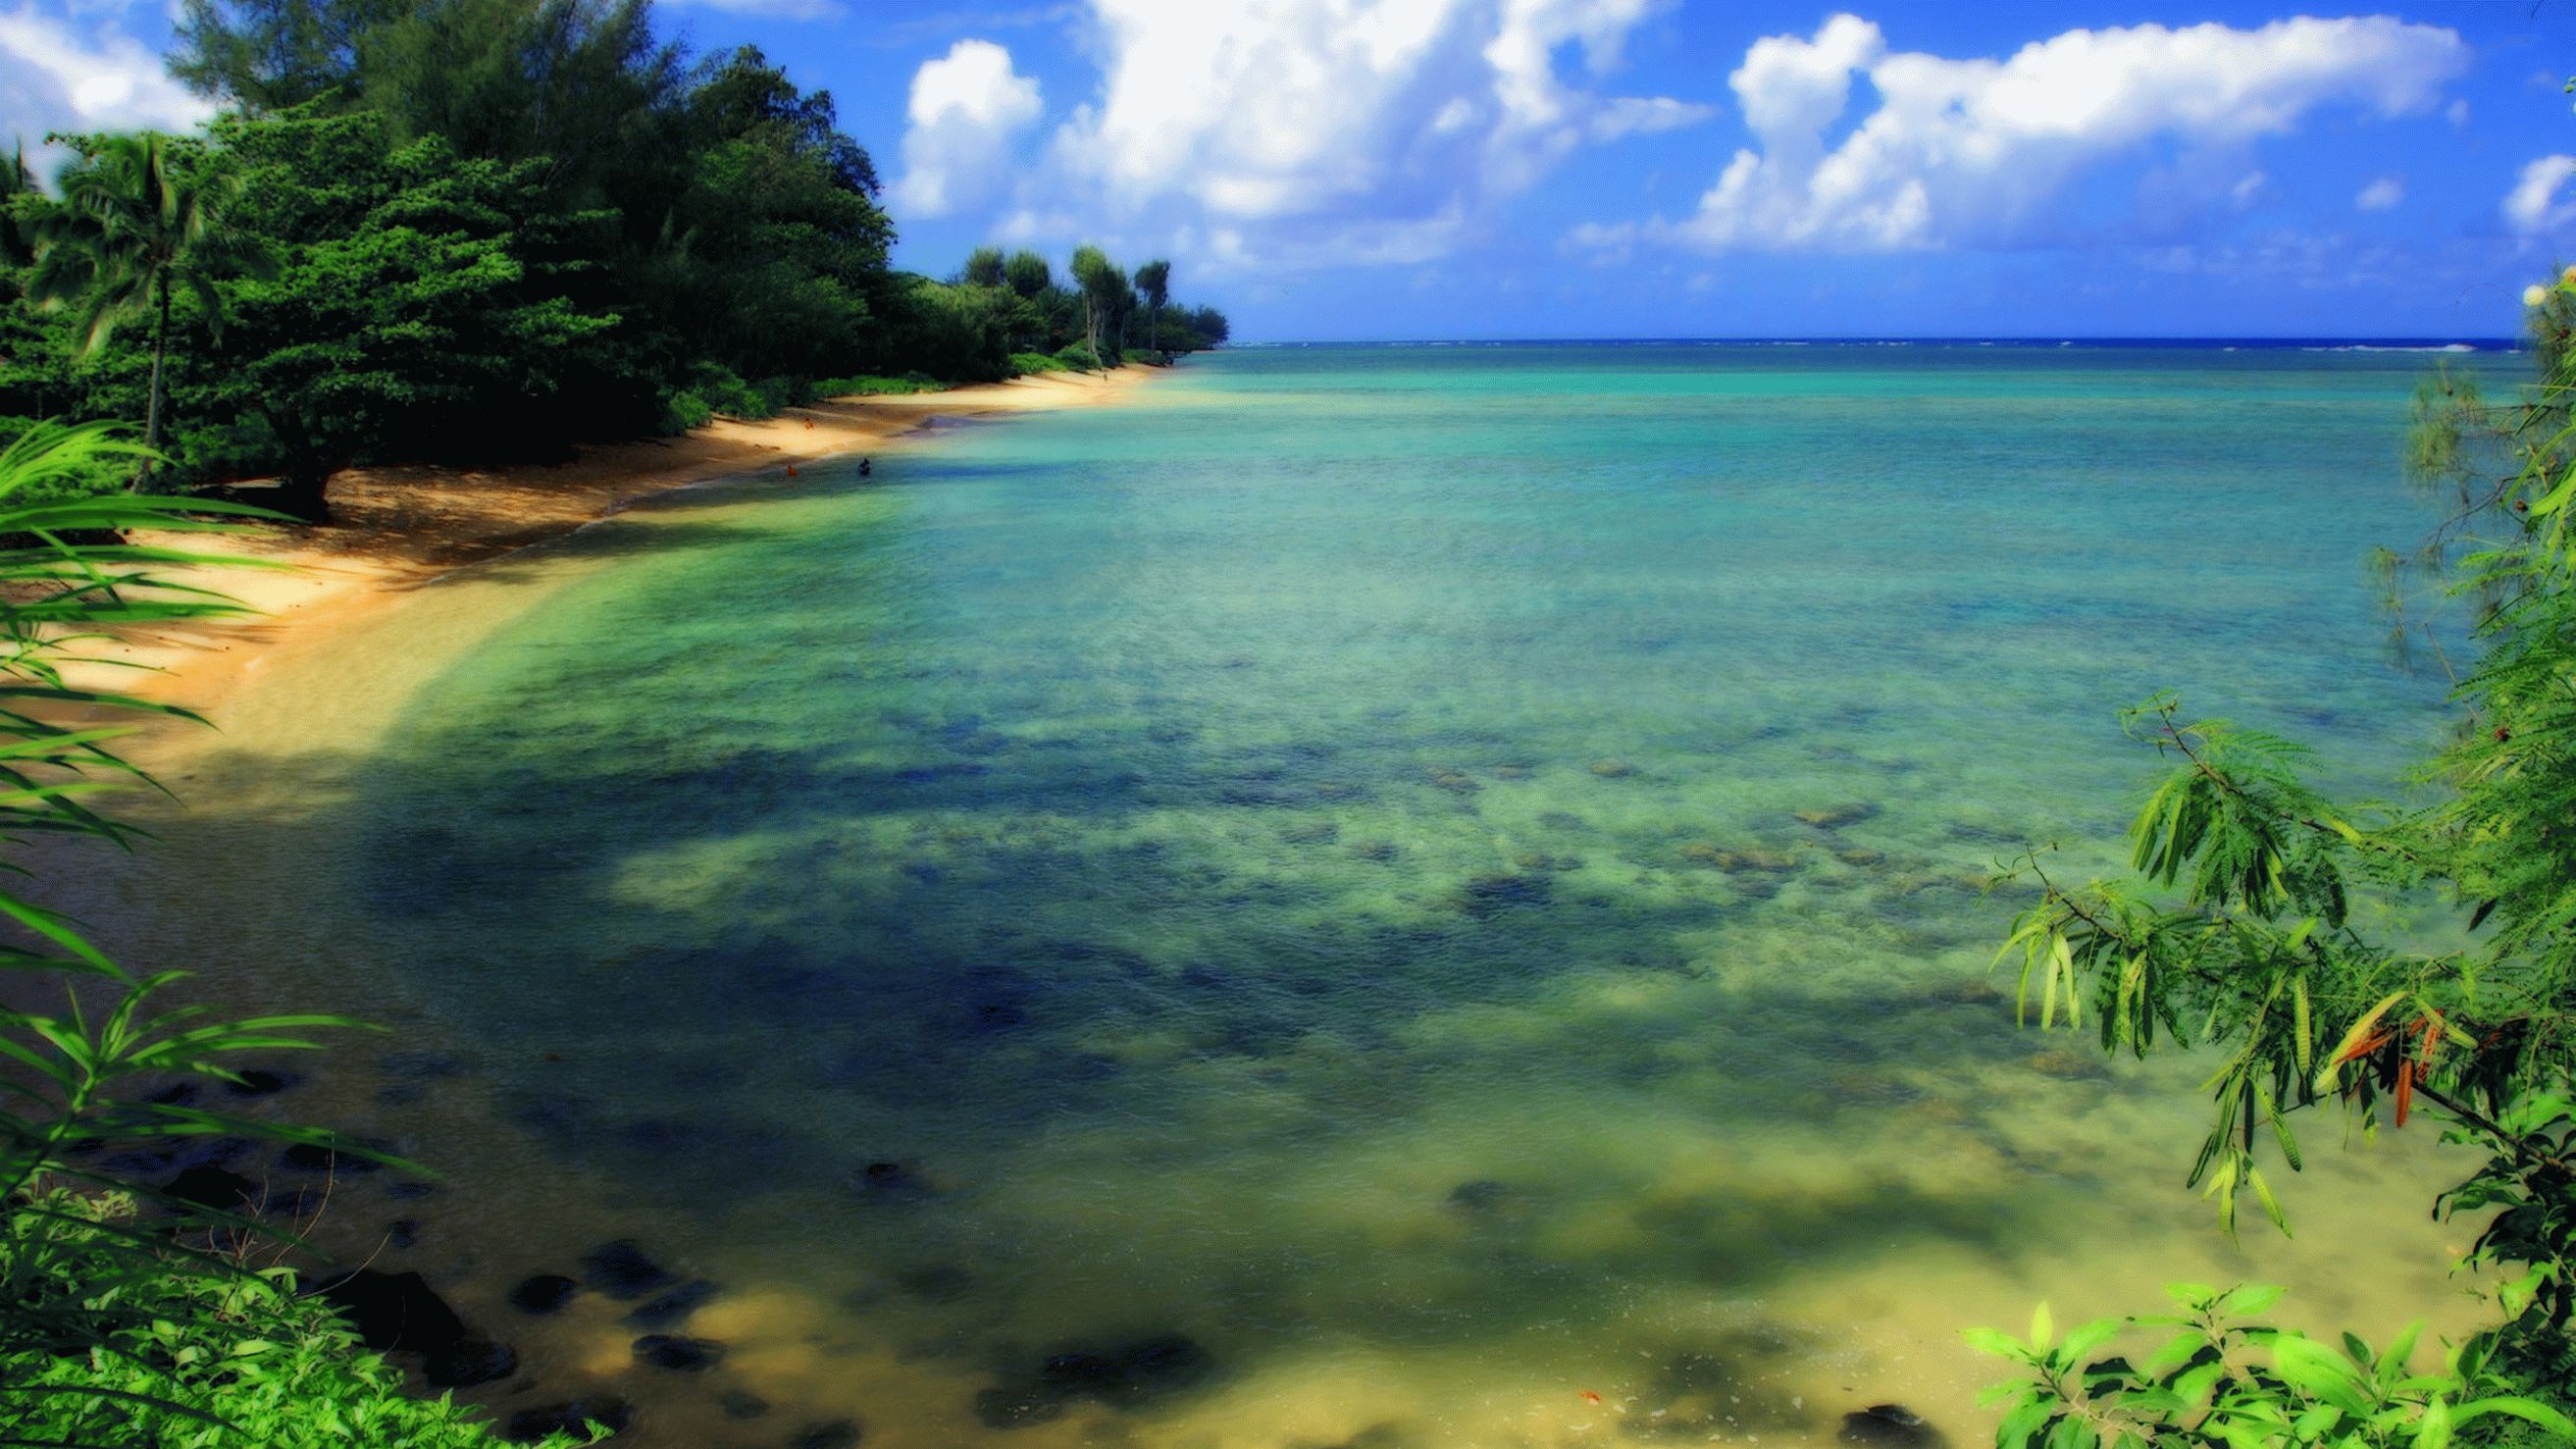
[(1572, 168)]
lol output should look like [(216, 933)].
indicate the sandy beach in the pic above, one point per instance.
[(395, 528)]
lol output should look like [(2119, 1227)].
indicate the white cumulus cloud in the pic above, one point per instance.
[(55, 76), (2381, 194), (1349, 130), (1979, 150), (966, 107), (2534, 205)]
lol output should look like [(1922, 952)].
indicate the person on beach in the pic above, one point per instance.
[(865, 467)]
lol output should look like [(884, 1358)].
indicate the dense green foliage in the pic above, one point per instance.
[(2236, 933), (132, 1315), (191, 1352), (480, 230)]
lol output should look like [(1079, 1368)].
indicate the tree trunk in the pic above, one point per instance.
[(302, 493), (152, 408)]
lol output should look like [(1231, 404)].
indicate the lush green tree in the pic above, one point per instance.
[(1154, 281), (1100, 282), (138, 223), (1029, 275), (984, 267), (2235, 930), (418, 310), (273, 55)]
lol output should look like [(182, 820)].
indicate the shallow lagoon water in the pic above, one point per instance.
[(1311, 862)]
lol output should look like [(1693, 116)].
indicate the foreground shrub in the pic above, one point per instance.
[(1033, 364), (186, 1348), (2203, 1377)]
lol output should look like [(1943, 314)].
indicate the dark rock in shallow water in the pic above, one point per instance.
[(543, 1293), (395, 1310), (892, 1180), (261, 1082), (740, 1405), (471, 1362), (177, 1094), (621, 1270), (670, 1308), (674, 1351), (1503, 889), (1890, 1426), (1484, 1195), (1141, 1371), (606, 1410), (1124, 1378), (402, 1232), (832, 1434), (210, 1186)]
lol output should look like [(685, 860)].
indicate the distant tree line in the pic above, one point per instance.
[(488, 229)]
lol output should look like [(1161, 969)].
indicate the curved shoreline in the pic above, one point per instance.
[(399, 528)]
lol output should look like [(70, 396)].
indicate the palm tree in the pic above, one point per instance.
[(1154, 279), (135, 223)]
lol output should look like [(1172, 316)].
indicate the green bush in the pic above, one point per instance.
[(1033, 364), (910, 382), (187, 1350), (1142, 357), (728, 395), (688, 408), (1079, 357)]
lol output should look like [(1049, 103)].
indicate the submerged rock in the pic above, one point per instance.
[(543, 1293), (1739, 862), (1889, 1426), (1149, 1369), (1857, 856), (829, 1434), (261, 1082), (621, 1270), (1125, 1378), (606, 1410), (894, 1180), (210, 1186), (394, 1311), (679, 1352), (1457, 782), (1374, 850), (1500, 889), (1834, 817), (671, 1308), (461, 1365), (1613, 769), (1311, 832), (738, 1404)]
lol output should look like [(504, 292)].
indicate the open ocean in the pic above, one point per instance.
[(1295, 887)]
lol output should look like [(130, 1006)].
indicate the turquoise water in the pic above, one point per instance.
[(1310, 861)]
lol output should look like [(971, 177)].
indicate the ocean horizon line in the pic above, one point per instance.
[(2309, 344)]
